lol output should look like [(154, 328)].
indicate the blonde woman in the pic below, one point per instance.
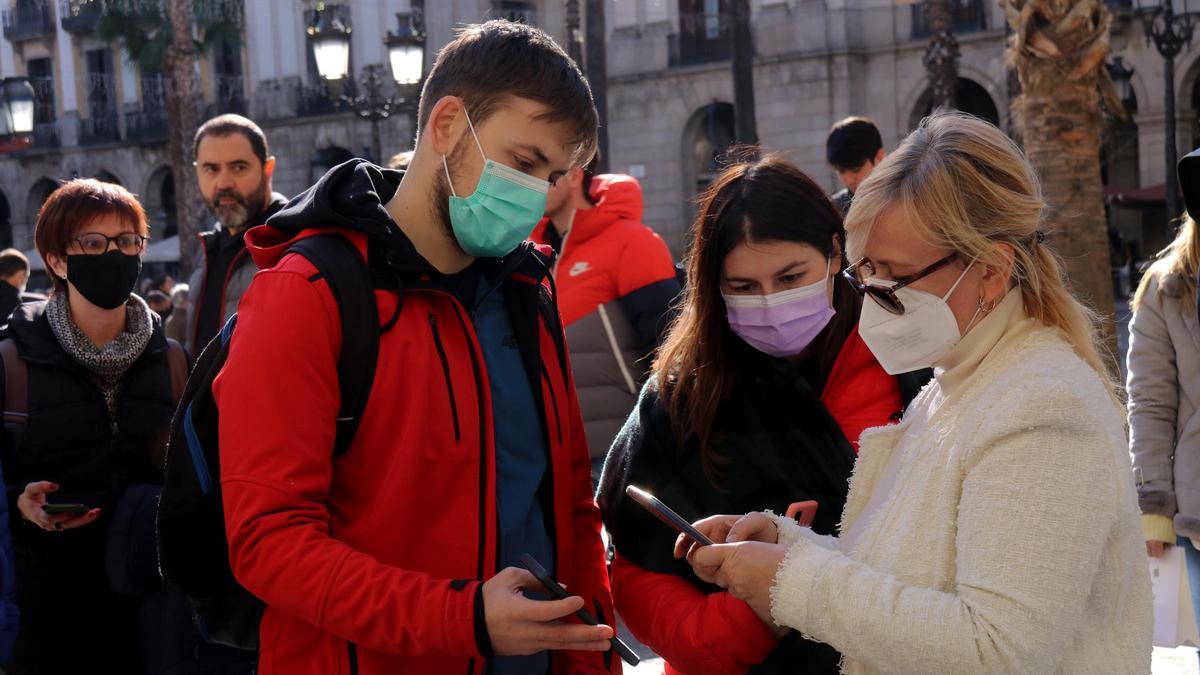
[(1164, 392), (995, 529)]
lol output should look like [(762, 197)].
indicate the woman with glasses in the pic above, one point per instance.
[(757, 399), (995, 529), (90, 383)]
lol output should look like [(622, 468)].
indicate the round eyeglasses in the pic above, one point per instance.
[(94, 243)]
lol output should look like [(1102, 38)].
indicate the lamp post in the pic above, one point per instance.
[(329, 36), (16, 106), (1170, 32), (1122, 77)]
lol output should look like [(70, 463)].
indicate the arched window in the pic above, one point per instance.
[(969, 97), (108, 177), (706, 137), (159, 200)]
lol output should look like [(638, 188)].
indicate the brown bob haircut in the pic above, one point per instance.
[(489, 62), (75, 205)]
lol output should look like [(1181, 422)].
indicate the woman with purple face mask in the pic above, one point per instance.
[(757, 399)]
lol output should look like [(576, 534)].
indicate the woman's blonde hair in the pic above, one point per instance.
[(1181, 258), (965, 186)]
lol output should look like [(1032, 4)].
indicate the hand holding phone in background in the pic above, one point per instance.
[(33, 506)]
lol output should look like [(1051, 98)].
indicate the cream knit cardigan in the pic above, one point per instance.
[(1010, 542)]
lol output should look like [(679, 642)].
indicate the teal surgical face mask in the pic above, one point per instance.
[(501, 213)]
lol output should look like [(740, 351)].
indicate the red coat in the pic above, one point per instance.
[(716, 634), (377, 557)]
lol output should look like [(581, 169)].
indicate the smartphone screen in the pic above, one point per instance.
[(666, 515)]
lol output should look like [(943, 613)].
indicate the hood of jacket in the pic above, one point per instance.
[(617, 197)]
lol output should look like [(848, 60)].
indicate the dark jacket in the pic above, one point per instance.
[(616, 281), (216, 245), (783, 442), (10, 297), (71, 439), (843, 199), (376, 560), (9, 614)]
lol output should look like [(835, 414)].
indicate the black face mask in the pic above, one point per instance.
[(104, 280)]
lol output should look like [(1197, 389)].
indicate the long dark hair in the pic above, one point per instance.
[(760, 200)]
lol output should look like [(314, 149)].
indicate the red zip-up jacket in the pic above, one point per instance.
[(372, 562)]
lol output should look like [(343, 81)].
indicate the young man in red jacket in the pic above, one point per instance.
[(399, 555)]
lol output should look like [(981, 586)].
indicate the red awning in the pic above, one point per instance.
[(1136, 198), (14, 143)]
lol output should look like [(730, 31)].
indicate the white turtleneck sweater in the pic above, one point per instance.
[(993, 530)]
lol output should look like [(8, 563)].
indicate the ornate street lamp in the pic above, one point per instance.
[(1170, 32), (16, 106), (1122, 77), (330, 39), (406, 50)]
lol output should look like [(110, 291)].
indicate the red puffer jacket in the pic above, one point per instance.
[(373, 562)]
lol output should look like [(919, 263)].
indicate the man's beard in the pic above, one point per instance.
[(441, 191), (243, 211)]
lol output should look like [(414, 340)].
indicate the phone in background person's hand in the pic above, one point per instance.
[(73, 509)]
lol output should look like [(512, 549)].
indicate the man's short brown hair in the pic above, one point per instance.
[(12, 261), (75, 205), (227, 125), (489, 62)]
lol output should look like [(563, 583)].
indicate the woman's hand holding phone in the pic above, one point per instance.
[(32, 504), (755, 526)]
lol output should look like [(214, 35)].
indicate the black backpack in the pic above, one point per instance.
[(192, 546)]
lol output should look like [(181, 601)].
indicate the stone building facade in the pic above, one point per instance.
[(671, 101), (101, 115), (670, 93)]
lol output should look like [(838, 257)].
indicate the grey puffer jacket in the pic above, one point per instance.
[(1164, 393), (234, 286)]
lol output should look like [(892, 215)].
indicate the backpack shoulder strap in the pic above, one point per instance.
[(178, 362), (340, 264), (16, 379)]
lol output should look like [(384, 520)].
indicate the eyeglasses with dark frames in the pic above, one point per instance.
[(94, 243), (885, 295)]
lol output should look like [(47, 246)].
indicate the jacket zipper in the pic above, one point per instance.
[(553, 401), (352, 653), (195, 327), (441, 350), (483, 439), (237, 258)]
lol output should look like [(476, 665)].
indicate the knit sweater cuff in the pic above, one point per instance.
[(788, 529), (796, 584), (1158, 528), (791, 532)]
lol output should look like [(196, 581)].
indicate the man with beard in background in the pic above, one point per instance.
[(234, 169)]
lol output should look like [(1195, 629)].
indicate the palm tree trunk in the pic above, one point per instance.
[(1058, 48), (182, 103), (941, 56)]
